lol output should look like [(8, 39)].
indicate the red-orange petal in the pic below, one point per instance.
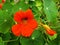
[(29, 14), (32, 23), (27, 31), (0, 6), (51, 32), (3, 1), (18, 16), (15, 30)]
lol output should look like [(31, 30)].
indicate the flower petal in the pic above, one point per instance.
[(18, 16), (3, 1), (27, 31), (32, 23), (1, 5), (51, 32), (29, 14), (15, 30)]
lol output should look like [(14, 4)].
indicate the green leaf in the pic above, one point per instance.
[(32, 0), (7, 7), (35, 39), (53, 42), (25, 41), (0, 1), (13, 37), (50, 10), (20, 6), (39, 39), (32, 3), (26, 0), (7, 1), (36, 13), (38, 3), (24, 6), (5, 21), (1, 41), (35, 34), (4, 28), (59, 43), (6, 37)]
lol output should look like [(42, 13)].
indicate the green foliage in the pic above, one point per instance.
[(36, 39), (46, 11), (20, 6), (5, 19), (51, 11), (52, 37), (1, 41)]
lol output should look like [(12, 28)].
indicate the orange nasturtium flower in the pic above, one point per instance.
[(25, 23), (3, 1), (49, 30), (0, 5)]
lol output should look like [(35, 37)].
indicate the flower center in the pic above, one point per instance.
[(24, 20)]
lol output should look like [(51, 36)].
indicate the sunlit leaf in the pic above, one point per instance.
[(50, 10)]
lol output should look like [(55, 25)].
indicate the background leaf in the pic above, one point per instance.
[(35, 39), (51, 11), (20, 6), (6, 21)]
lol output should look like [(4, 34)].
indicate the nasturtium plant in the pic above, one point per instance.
[(1, 41), (29, 22)]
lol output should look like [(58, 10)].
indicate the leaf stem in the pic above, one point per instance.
[(12, 40)]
